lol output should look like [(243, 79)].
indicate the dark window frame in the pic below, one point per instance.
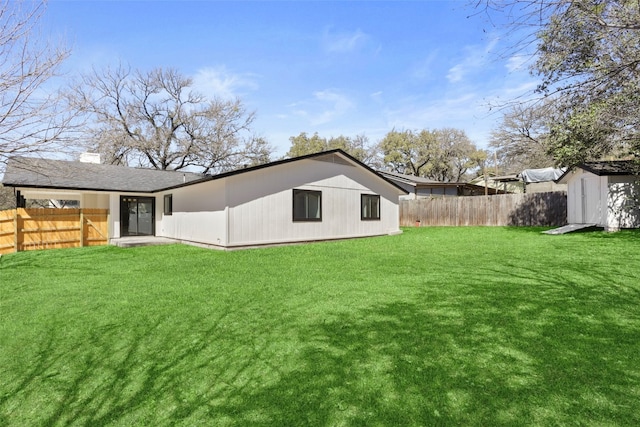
[(366, 198), (168, 204), (298, 192)]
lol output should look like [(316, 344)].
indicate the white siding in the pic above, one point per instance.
[(114, 215), (623, 210), (261, 203), (199, 214)]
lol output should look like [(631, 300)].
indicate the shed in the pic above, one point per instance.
[(604, 193)]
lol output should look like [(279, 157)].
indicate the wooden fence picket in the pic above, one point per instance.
[(31, 229), (530, 209)]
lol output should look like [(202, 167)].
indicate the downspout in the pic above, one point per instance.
[(227, 226)]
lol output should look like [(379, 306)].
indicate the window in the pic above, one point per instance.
[(307, 205), (369, 207), (168, 204)]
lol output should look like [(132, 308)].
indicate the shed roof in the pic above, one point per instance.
[(616, 167), (607, 168)]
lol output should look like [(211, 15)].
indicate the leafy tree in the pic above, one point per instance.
[(359, 146), (409, 152), (445, 155), (587, 58), (154, 119), (32, 119), (521, 139)]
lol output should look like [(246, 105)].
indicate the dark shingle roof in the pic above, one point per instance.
[(46, 173), (616, 167), (606, 168), (408, 178), (61, 174)]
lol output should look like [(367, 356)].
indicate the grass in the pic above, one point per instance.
[(438, 326)]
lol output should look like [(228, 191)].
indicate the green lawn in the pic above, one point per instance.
[(437, 326)]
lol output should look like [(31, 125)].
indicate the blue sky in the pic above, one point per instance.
[(336, 68)]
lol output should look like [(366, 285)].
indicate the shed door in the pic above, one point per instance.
[(591, 200)]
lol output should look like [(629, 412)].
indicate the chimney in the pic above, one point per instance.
[(90, 158)]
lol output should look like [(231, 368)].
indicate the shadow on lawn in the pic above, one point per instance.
[(403, 365), (475, 358)]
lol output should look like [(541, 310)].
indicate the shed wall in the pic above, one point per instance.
[(623, 199)]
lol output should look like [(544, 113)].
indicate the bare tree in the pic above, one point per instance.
[(520, 140), (32, 118), (154, 119)]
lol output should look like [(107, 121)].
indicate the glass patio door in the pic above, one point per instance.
[(137, 216)]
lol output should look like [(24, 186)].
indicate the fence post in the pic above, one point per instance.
[(16, 232), (81, 228)]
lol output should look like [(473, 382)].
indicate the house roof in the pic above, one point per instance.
[(608, 168), (408, 179), (62, 174), (421, 182)]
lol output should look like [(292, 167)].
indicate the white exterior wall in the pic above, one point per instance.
[(256, 207), (114, 215), (622, 201), (586, 202), (199, 214), (261, 204)]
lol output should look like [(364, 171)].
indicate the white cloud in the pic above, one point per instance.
[(324, 107), (424, 69), (344, 42), (222, 83), (477, 57), (456, 73), (517, 63), (333, 104)]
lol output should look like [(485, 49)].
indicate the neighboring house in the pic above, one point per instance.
[(503, 184), (605, 194), (542, 180), (419, 187), (527, 181), (322, 196)]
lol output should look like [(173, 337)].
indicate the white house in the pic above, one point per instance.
[(605, 194), (322, 196)]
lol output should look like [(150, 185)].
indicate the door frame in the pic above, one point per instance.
[(124, 214)]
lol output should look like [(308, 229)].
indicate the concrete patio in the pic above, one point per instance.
[(133, 241)]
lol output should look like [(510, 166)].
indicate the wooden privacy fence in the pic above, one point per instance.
[(533, 209), (31, 229)]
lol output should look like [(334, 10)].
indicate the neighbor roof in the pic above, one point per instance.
[(63, 174), (421, 182), (409, 179)]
